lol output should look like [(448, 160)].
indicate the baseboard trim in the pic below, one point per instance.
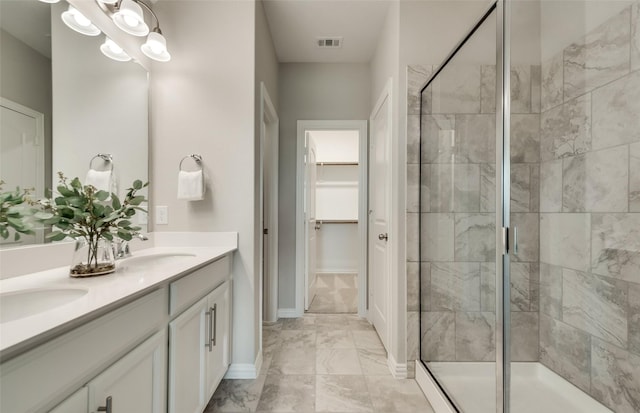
[(432, 391), (288, 313), (242, 371), (398, 370)]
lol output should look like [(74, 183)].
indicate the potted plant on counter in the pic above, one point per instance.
[(93, 220)]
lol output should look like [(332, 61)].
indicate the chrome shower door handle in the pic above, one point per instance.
[(108, 408), (515, 240)]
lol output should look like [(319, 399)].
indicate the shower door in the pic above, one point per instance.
[(459, 220)]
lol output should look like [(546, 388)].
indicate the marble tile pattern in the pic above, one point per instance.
[(596, 181), (417, 76), (335, 293), (634, 177), (615, 377), (615, 113), (457, 89), (565, 130), (596, 305), (635, 36), (349, 374), (589, 226), (551, 83), (600, 57)]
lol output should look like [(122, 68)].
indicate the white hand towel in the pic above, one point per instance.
[(191, 185), (101, 180)]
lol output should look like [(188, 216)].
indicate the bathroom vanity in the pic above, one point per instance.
[(152, 337)]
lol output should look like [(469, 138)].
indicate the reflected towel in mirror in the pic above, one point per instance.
[(101, 180)]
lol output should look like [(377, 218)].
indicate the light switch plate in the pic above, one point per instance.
[(162, 215)]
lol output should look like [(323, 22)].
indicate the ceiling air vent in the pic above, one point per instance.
[(329, 42)]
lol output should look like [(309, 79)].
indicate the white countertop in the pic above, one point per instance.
[(104, 293)]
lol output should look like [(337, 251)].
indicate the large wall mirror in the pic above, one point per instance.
[(63, 102)]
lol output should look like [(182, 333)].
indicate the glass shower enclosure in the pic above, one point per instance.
[(529, 211)]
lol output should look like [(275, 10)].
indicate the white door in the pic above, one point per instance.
[(310, 217), (380, 206), (22, 153), (135, 383)]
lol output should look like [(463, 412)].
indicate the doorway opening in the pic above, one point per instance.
[(331, 219)]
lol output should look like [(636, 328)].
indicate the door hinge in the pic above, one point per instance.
[(265, 231)]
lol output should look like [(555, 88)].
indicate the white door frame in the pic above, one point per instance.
[(269, 126), (39, 119), (363, 221), (40, 144)]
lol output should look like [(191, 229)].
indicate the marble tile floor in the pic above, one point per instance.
[(321, 363), (335, 293)]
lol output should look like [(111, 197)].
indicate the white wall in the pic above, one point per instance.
[(202, 101), (336, 145), (25, 78), (99, 106), (310, 91)]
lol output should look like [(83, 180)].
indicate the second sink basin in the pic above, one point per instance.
[(154, 259), (20, 304)]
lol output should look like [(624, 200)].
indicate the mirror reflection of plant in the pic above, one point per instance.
[(80, 211), (14, 212)]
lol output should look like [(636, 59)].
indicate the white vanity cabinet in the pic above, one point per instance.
[(199, 337), (164, 351), (135, 383), (76, 403)]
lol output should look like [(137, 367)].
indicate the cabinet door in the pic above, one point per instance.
[(188, 346), (76, 403), (135, 383), (218, 357)]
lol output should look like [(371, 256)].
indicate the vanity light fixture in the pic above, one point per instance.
[(79, 22), (129, 18), (50, 1), (111, 49)]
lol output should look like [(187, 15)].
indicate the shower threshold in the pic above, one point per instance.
[(534, 388)]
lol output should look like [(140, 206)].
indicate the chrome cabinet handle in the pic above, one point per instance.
[(384, 236), (214, 309), (209, 332), (108, 407)]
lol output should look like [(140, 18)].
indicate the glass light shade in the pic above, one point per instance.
[(129, 18), (49, 1), (111, 49), (108, 1), (78, 22), (156, 47)]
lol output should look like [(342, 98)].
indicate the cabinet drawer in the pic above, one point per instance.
[(196, 285), (44, 376)]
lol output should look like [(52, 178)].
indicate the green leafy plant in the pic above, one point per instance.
[(14, 212), (80, 211)]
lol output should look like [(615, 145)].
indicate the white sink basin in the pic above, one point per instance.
[(20, 304), (154, 259)]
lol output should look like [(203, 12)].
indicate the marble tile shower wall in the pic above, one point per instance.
[(457, 296), (590, 212)]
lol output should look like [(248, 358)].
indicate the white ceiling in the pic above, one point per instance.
[(29, 21), (295, 25)]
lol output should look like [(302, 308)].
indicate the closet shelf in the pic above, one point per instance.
[(337, 221), (337, 163)]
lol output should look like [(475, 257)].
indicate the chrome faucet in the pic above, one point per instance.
[(121, 247)]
